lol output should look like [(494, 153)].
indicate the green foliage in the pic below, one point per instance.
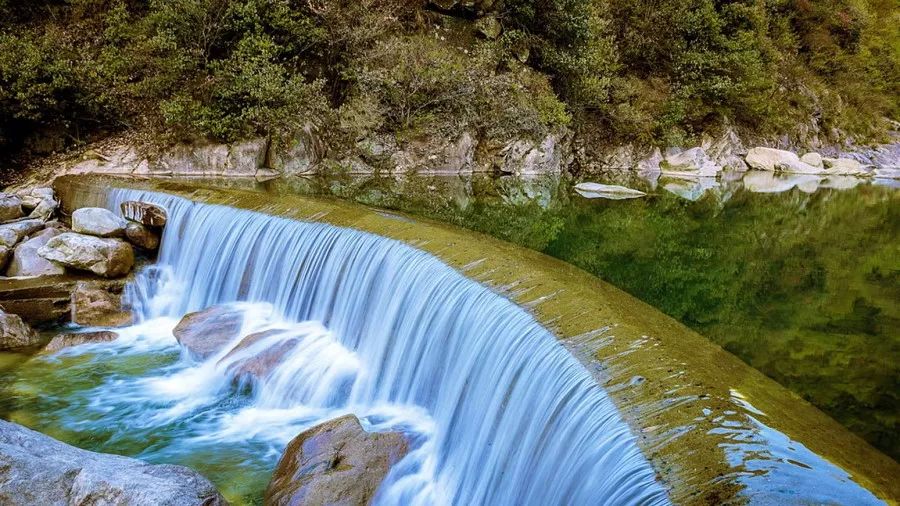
[(422, 85)]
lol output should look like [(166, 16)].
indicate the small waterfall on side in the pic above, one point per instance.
[(371, 325)]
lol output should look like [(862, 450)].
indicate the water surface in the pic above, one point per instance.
[(798, 276)]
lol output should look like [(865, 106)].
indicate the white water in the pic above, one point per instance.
[(498, 412)]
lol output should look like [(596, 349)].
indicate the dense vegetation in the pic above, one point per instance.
[(625, 70)]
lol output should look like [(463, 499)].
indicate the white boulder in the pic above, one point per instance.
[(607, 191), (98, 222), (109, 258)]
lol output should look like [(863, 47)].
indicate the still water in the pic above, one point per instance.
[(798, 276)]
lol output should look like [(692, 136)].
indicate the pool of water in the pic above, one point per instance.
[(799, 277)]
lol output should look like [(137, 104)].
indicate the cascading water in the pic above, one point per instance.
[(498, 412)]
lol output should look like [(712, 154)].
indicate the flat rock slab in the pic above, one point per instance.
[(38, 470), (607, 191), (71, 339)]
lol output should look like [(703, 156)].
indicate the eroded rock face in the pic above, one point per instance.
[(95, 305), (527, 158), (68, 340), (98, 222), (207, 332), (336, 462), (10, 207), (15, 334), (142, 236), (38, 470), (144, 213), (27, 262), (110, 258)]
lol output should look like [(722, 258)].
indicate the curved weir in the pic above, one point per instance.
[(499, 411)]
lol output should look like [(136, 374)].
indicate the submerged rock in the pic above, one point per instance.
[(337, 462), (207, 332), (27, 262), (38, 470), (93, 304), (607, 191), (257, 367), (110, 258), (15, 334), (70, 339), (144, 213), (98, 222)]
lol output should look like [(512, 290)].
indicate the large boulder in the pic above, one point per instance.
[(97, 221), (337, 462), (27, 262), (10, 207), (97, 304), (209, 331), (110, 258), (771, 159), (813, 158), (144, 213), (299, 155), (690, 162), (15, 334), (142, 236), (38, 470), (12, 233), (71, 339)]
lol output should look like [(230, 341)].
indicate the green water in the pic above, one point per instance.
[(94, 402), (803, 286)]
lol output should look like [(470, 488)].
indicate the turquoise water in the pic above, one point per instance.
[(798, 277)]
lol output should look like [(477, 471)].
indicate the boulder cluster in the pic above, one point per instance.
[(33, 242)]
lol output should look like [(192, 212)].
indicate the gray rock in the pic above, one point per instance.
[(71, 339), (141, 236), (38, 470), (144, 213), (110, 258), (14, 334), (337, 462), (44, 210), (10, 207), (27, 262), (97, 221), (299, 155), (209, 331), (12, 233), (523, 157), (96, 304)]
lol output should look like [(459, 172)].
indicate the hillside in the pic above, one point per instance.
[(615, 71)]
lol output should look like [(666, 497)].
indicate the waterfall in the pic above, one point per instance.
[(500, 412)]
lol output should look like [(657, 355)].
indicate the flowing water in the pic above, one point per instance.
[(496, 410), (799, 276)]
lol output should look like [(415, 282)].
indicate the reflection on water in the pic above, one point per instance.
[(797, 275)]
